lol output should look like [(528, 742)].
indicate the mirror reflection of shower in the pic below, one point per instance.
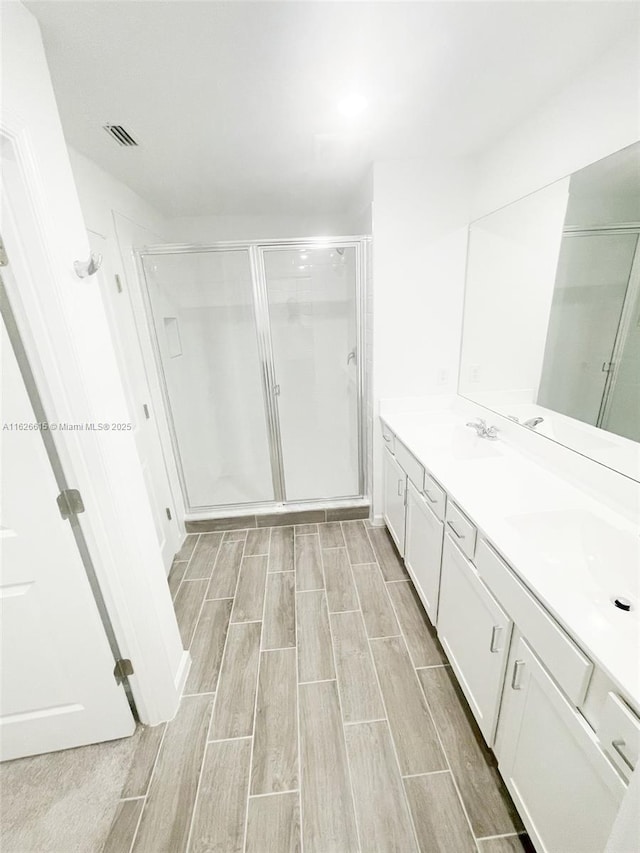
[(590, 369), (552, 306)]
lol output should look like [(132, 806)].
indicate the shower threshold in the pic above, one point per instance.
[(276, 515)]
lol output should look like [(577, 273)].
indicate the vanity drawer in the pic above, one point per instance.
[(560, 655), (412, 467), (462, 531), (388, 437), (619, 734), (435, 495)]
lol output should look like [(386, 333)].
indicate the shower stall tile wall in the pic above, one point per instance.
[(260, 351)]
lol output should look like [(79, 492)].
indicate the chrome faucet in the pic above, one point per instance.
[(482, 430), (532, 423)]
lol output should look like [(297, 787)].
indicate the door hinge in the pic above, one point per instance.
[(168, 511), (607, 366), (4, 260), (70, 503), (122, 670), (118, 283)]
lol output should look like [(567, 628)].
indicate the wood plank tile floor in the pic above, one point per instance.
[(320, 714)]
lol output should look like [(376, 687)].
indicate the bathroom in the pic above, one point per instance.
[(320, 361)]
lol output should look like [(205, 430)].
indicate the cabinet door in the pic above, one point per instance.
[(423, 550), (395, 486), (475, 633), (563, 786)]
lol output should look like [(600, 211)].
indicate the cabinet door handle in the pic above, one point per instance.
[(386, 437), (457, 532), (400, 488), (428, 494), (517, 669), (618, 745), (494, 636)]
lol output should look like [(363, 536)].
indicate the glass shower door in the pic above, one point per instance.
[(312, 301), (203, 314)]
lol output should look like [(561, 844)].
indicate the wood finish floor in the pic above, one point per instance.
[(320, 714)]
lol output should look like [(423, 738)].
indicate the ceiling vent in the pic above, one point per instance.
[(121, 136)]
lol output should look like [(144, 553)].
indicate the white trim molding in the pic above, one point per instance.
[(66, 336)]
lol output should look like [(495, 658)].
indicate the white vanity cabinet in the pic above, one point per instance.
[(475, 632), (395, 487), (565, 740), (564, 787), (423, 549)]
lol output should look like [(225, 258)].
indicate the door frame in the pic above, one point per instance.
[(143, 346), (57, 315), (267, 369), (255, 250), (127, 346)]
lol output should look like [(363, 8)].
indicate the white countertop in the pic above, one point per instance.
[(573, 552)]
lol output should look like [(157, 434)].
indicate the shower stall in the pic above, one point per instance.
[(259, 347)]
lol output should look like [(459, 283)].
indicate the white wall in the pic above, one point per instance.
[(359, 215), (100, 194), (213, 229), (596, 114), (354, 219), (420, 214), (67, 337)]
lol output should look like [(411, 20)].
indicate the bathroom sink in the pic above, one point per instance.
[(601, 559), (462, 442)]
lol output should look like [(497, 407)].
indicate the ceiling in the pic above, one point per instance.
[(235, 105)]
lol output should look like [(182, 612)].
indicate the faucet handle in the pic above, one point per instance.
[(492, 432), (479, 425)]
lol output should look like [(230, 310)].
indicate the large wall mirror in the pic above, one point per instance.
[(551, 332)]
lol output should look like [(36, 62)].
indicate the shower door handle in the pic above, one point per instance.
[(351, 356), (276, 390)]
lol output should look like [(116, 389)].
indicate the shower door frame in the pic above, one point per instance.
[(254, 249)]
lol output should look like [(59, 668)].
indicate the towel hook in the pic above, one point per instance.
[(86, 268)]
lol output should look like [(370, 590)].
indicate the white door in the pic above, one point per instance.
[(565, 789), (423, 550), (475, 633), (395, 486), (142, 413), (57, 688)]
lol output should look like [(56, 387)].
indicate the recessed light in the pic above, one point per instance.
[(352, 105)]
